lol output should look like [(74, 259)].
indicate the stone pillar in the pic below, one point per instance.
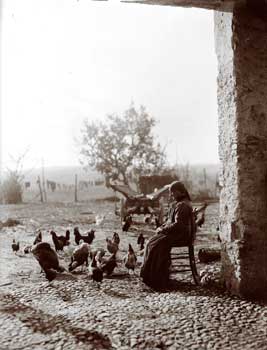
[(241, 47)]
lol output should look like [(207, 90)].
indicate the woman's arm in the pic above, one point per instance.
[(182, 218)]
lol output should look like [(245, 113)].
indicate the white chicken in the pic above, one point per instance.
[(99, 219)]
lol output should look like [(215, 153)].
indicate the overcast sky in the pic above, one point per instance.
[(67, 60)]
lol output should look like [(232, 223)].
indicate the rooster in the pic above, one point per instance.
[(38, 238), (80, 256), (95, 272), (130, 259), (87, 238), (15, 246), (127, 223), (48, 260), (59, 241), (112, 247), (141, 241), (109, 265)]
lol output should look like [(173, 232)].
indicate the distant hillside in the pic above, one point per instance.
[(193, 174), (62, 175)]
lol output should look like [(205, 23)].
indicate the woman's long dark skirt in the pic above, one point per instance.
[(155, 268)]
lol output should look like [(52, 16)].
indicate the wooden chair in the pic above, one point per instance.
[(189, 244), (188, 256)]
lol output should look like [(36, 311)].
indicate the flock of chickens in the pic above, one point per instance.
[(80, 255)]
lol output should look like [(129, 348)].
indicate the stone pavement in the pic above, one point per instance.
[(73, 313)]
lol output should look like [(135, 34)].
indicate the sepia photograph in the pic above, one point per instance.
[(133, 174)]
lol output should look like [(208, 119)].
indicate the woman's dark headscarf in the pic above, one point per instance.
[(179, 186)]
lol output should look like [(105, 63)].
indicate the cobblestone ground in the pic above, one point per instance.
[(73, 313)]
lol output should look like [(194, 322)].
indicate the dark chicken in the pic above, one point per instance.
[(15, 246), (116, 238), (141, 241), (127, 223), (87, 238), (48, 259), (109, 265), (38, 238), (201, 220), (60, 241), (95, 272)]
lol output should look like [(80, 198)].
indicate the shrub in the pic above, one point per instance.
[(11, 190)]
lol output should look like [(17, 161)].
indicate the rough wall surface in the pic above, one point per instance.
[(241, 47)]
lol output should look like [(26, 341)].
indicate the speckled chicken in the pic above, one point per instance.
[(112, 247), (48, 259), (130, 259), (80, 256), (98, 253)]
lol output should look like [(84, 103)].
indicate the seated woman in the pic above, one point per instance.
[(179, 227)]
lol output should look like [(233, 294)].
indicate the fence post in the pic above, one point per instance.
[(40, 189), (76, 190)]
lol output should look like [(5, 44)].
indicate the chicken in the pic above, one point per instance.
[(48, 260), (141, 241), (218, 234), (95, 272), (27, 249), (112, 247), (201, 220), (116, 238), (130, 259), (87, 238), (99, 219), (147, 219), (59, 241), (99, 253), (67, 235), (15, 246), (80, 256), (38, 238), (109, 265), (127, 223)]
